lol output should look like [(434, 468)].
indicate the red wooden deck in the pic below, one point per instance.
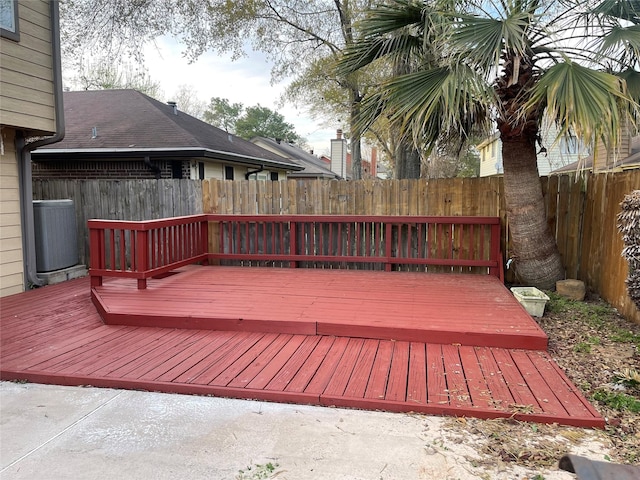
[(55, 335), (473, 310)]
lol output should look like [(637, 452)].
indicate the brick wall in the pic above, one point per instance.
[(106, 169)]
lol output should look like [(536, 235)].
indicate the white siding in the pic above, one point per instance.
[(558, 153), (26, 71), (11, 264), (491, 158), (214, 170)]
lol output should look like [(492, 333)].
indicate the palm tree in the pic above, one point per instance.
[(508, 62)]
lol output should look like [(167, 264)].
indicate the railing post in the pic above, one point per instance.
[(96, 255), (293, 247), (204, 239), (387, 245), (142, 256), (495, 251)]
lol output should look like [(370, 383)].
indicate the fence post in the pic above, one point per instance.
[(142, 256), (96, 255)]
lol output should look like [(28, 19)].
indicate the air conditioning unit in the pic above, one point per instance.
[(55, 234)]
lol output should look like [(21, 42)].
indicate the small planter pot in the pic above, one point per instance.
[(532, 299)]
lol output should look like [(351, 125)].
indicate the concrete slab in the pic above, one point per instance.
[(87, 433), (62, 275)]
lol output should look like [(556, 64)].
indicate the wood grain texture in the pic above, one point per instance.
[(55, 335)]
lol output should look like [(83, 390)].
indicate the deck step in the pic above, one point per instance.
[(473, 310)]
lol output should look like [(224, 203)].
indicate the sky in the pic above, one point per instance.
[(246, 81)]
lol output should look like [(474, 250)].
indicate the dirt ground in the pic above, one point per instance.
[(600, 352)]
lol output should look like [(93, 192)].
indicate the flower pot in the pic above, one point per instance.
[(532, 299)]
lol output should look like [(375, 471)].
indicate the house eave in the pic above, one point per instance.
[(322, 176), (58, 154)]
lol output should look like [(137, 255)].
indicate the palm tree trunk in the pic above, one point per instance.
[(536, 257)]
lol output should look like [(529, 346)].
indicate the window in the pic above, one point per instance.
[(176, 169), (9, 20), (228, 173), (569, 144), (274, 176), (201, 170)]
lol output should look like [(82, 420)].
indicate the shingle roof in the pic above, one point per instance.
[(131, 120), (313, 166)]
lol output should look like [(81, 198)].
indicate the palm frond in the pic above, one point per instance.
[(431, 102), (390, 17), (628, 10), (632, 79), (592, 104), (368, 51), (481, 41), (401, 28), (620, 42)]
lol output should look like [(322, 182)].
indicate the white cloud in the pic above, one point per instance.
[(246, 81)]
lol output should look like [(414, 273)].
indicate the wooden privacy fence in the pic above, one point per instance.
[(444, 197), (582, 215), (142, 250)]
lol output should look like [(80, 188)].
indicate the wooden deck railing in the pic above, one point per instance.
[(144, 249)]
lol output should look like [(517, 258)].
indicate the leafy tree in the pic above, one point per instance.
[(222, 114), (295, 35), (510, 62), (263, 122)]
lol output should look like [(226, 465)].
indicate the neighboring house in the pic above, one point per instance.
[(314, 167), (491, 156), (326, 161), (116, 134), (335, 167), (626, 157), (31, 115), (552, 154)]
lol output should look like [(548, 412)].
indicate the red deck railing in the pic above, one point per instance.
[(145, 249)]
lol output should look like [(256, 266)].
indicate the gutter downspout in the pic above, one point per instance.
[(251, 172), (24, 155)]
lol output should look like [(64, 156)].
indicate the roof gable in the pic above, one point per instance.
[(128, 119), (313, 166)]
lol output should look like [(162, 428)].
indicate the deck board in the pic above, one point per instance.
[(394, 375), (408, 306), (417, 376)]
